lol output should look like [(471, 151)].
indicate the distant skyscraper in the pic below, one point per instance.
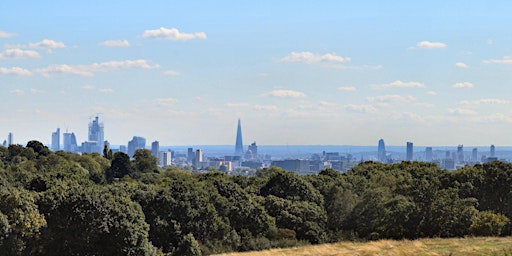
[(474, 155), (239, 147), (136, 143), (199, 158), (10, 139), (96, 135), (253, 150), (165, 158), (460, 154), (56, 140), (409, 156), (155, 148), (381, 151), (70, 144), (428, 154), (493, 151)]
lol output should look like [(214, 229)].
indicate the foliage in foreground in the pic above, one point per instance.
[(68, 204)]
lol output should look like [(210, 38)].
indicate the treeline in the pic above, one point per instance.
[(68, 204)]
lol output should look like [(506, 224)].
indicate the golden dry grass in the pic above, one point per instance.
[(495, 246)]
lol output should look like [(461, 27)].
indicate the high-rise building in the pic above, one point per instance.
[(409, 156), (493, 151), (165, 158), (56, 140), (428, 154), (10, 139), (381, 151), (199, 158), (474, 155), (69, 140), (190, 155), (155, 148), (460, 154), (96, 138), (136, 143), (239, 147), (252, 151)]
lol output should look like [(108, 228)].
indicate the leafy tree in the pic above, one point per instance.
[(39, 148), (487, 223), (144, 161), (120, 167)]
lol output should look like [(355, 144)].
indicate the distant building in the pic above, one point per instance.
[(300, 166), (409, 156), (10, 139), (252, 151), (56, 140), (239, 146), (493, 151), (381, 152), (155, 148), (96, 138), (122, 148), (198, 159), (69, 140), (165, 158), (136, 143), (460, 154), (428, 154), (190, 155), (474, 155)]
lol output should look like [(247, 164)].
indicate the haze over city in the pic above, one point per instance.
[(294, 72)]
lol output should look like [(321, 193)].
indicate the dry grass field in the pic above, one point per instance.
[(496, 246)]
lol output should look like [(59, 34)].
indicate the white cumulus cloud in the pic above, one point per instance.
[(15, 71), (47, 44), (17, 92), (309, 57), (463, 85), (89, 70), (430, 45), (461, 65), (17, 53), (432, 93), (462, 111), (490, 101), (505, 60), (401, 84), (365, 108), (115, 43), (265, 107), (347, 89), (286, 94), (4, 34), (172, 34)]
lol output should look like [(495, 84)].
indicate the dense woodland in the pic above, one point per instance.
[(68, 204)]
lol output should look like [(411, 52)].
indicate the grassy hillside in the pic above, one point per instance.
[(454, 246)]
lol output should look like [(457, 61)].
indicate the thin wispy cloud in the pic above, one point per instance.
[(4, 34), (106, 90), (347, 89), (433, 93), (166, 102), (430, 45), (172, 34), (90, 70), (15, 71), (47, 44), (400, 84), (285, 94), (505, 60), (309, 58), (463, 85), (16, 53), (17, 92), (172, 73), (362, 108), (485, 101), (462, 111), (461, 65), (115, 43)]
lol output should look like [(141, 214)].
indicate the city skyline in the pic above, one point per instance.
[(295, 72)]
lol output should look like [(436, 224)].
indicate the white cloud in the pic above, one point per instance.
[(89, 70), (238, 105), (462, 111), (88, 87), (115, 43), (4, 34), (361, 108), (347, 89), (17, 53), (47, 44), (15, 71), (432, 93), (430, 45), (106, 90), (17, 92), (172, 34), (172, 73), (461, 65), (166, 102), (265, 107), (400, 84), (36, 91), (309, 57), (485, 101), (463, 85), (286, 94), (385, 100), (505, 60)]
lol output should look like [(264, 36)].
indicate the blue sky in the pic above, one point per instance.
[(294, 72)]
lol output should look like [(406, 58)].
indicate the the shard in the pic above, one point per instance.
[(239, 146)]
